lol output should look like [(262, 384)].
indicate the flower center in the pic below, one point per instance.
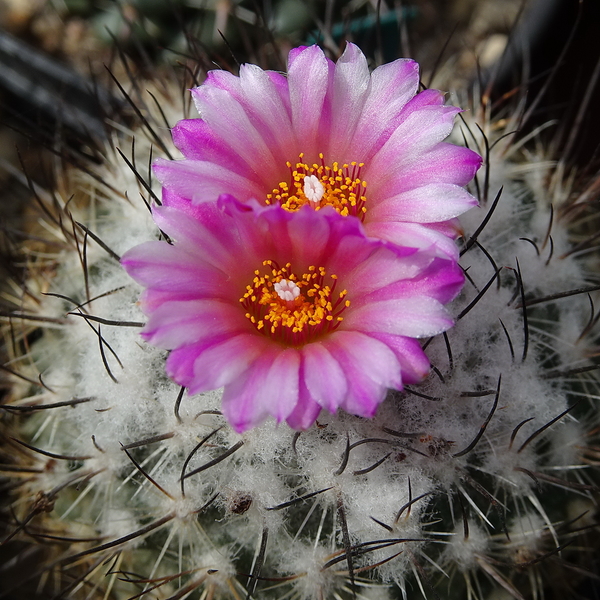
[(321, 185), (294, 309)]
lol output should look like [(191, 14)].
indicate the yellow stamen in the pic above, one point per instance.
[(294, 309), (322, 185)]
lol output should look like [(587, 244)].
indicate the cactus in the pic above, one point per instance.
[(477, 483)]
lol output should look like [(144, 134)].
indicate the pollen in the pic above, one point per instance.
[(319, 185), (294, 308)]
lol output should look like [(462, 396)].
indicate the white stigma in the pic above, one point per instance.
[(313, 188), (287, 290)]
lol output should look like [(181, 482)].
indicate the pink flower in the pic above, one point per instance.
[(291, 312), (329, 134)]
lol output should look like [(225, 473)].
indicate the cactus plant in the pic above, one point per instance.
[(477, 483)]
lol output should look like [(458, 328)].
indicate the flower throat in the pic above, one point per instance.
[(322, 185), (292, 309)]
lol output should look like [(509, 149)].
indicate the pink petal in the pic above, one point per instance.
[(308, 80), (165, 267), (220, 79), (415, 235), (413, 317), (441, 281), (281, 384), (214, 362), (281, 85), (179, 323), (371, 356), (290, 237), (204, 236), (392, 86), (225, 114), (268, 112), (334, 239), (416, 135), (293, 54), (381, 269), (350, 88), (451, 228), (203, 181), (244, 404), (180, 365), (370, 368), (306, 411), (414, 363), (350, 254), (197, 140), (422, 99), (323, 376), (426, 204), (365, 395), (444, 163), (222, 363)]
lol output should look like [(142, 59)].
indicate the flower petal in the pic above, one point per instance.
[(180, 365), (290, 235), (416, 235), (392, 86), (197, 140), (169, 268), (323, 376), (214, 363), (415, 317), (268, 112), (444, 163), (306, 411), (441, 281), (426, 204), (370, 367), (414, 363), (282, 383), (308, 77), (222, 363), (224, 113), (351, 81), (180, 323), (244, 404), (384, 268), (200, 233), (223, 80), (203, 181), (419, 133)]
